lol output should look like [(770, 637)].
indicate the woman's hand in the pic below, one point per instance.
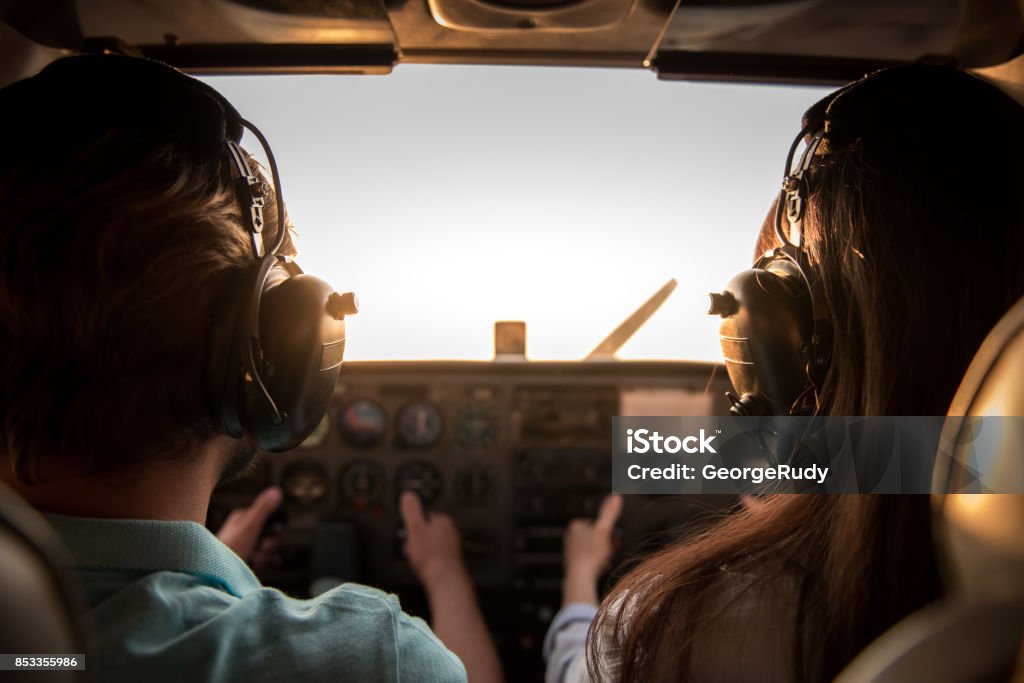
[(588, 549)]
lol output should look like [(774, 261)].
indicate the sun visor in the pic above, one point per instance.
[(804, 41), (240, 36)]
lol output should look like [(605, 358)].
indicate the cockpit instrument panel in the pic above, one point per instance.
[(512, 451)]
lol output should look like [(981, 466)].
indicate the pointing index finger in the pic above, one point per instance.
[(412, 510), (611, 508), (263, 506)]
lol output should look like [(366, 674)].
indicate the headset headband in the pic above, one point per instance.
[(78, 100)]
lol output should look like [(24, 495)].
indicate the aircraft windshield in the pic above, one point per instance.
[(449, 197)]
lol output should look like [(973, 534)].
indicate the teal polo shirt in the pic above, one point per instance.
[(167, 601)]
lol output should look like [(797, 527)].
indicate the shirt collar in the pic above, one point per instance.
[(149, 545)]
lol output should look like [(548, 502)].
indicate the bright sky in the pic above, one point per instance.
[(449, 197)]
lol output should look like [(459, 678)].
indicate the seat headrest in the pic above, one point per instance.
[(39, 605)]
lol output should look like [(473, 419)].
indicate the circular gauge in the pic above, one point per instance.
[(474, 483), (304, 483), (319, 434), (476, 427), (419, 424), (362, 423), (361, 483), (422, 478)]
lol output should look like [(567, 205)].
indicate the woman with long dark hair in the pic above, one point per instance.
[(914, 234)]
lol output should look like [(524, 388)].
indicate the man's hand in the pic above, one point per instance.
[(435, 553), (432, 544), (241, 530), (588, 548)]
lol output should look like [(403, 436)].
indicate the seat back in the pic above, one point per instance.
[(38, 607), (983, 535)]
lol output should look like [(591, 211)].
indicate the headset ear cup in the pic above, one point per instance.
[(765, 335), (302, 348)]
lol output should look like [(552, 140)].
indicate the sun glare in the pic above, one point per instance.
[(451, 197)]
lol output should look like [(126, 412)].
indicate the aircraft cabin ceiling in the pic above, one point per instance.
[(820, 41)]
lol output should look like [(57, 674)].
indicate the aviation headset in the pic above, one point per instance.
[(776, 335), (277, 336)]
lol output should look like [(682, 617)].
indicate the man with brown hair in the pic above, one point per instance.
[(122, 232)]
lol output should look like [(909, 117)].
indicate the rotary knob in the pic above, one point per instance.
[(340, 305), (723, 304)]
